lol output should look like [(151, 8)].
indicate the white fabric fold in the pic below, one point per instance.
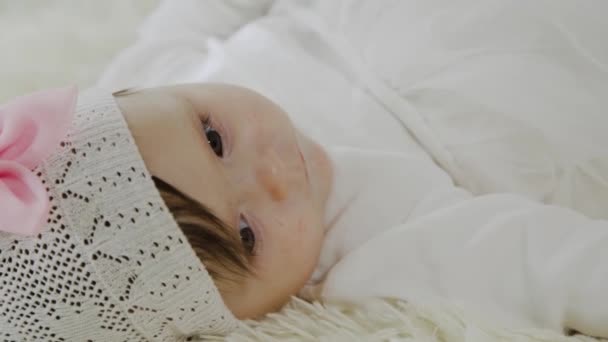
[(506, 99)]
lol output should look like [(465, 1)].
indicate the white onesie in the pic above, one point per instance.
[(411, 98)]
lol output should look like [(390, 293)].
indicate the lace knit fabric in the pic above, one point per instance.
[(112, 264)]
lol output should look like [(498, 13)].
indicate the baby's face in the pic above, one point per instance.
[(239, 154)]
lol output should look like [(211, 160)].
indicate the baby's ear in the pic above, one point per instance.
[(32, 126)]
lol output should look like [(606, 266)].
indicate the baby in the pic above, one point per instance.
[(256, 199), (126, 182), (236, 158), (224, 167)]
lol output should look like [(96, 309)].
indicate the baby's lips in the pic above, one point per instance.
[(32, 126)]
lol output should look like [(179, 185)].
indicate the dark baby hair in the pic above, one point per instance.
[(217, 245)]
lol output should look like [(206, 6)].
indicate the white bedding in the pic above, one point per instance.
[(507, 100)]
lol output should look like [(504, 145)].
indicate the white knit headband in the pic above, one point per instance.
[(112, 263)]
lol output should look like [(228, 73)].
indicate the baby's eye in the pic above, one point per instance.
[(214, 139), (247, 236)]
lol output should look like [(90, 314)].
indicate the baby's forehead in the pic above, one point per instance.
[(223, 94)]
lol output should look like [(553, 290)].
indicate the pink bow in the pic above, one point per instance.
[(31, 128)]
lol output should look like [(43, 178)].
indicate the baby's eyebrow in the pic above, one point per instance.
[(127, 91)]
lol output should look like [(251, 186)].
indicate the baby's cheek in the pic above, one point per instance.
[(304, 244)]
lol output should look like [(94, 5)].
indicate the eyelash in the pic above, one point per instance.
[(209, 125), (253, 230), (258, 235), (206, 120)]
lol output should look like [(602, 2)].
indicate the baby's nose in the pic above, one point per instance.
[(273, 176)]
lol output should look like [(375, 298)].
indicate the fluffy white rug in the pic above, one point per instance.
[(381, 320), (57, 42)]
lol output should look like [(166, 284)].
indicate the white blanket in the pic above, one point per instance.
[(413, 98)]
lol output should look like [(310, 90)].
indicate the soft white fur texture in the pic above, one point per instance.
[(57, 42), (381, 320)]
